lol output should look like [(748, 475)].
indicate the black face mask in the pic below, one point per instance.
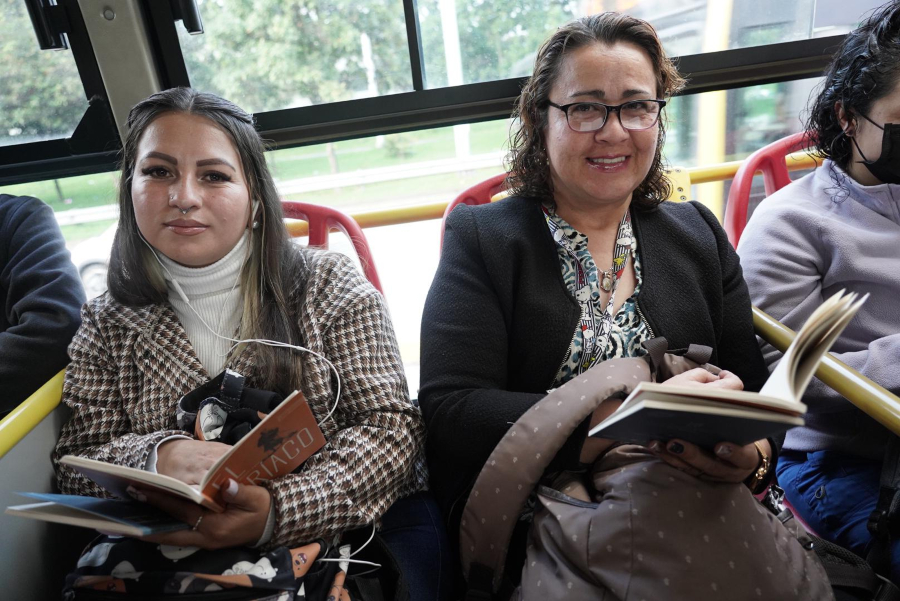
[(887, 167)]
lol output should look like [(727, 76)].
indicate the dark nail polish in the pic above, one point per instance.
[(676, 448)]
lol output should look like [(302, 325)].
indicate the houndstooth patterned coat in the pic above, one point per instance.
[(130, 365)]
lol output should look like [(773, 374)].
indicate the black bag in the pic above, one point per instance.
[(851, 577), (223, 409), (115, 567)]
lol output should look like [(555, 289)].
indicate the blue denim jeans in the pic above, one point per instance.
[(835, 494), (413, 531)]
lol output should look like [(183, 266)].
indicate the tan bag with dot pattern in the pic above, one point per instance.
[(634, 528)]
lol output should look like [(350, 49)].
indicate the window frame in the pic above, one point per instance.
[(94, 146), (95, 140)]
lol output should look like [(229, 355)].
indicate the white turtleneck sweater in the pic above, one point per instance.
[(214, 292)]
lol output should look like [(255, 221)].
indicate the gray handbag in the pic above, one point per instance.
[(632, 528)]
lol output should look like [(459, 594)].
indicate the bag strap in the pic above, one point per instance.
[(698, 353), (232, 388), (845, 575), (887, 591), (663, 363), (847, 571), (656, 351), (883, 521), (518, 462)]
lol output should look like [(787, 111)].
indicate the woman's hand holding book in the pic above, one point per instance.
[(188, 460), (702, 377), (241, 524), (728, 462)]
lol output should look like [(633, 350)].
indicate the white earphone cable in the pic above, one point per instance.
[(365, 544), (273, 343), (359, 561)]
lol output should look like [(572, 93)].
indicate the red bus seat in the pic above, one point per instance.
[(770, 160), (322, 220)]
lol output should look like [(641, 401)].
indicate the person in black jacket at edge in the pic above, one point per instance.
[(582, 263), (42, 297)]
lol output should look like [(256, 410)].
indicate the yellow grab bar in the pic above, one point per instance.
[(698, 175), (22, 420), (878, 402), (397, 216)]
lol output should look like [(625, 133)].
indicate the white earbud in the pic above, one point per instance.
[(254, 207)]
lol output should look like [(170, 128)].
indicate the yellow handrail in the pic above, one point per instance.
[(21, 420), (716, 173), (26, 416), (876, 401), (698, 175), (383, 217)]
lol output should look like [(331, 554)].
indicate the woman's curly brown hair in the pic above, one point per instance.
[(529, 172), (865, 68)]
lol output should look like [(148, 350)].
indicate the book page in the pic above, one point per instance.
[(109, 514), (703, 425), (116, 478), (781, 380), (702, 395), (810, 362), (791, 376)]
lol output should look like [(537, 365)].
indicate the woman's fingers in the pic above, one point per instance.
[(185, 511), (727, 380), (744, 458), (180, 509), (692, 377), (242, 523), (681, 454), (701, 377), (188, 460), (673, 460)]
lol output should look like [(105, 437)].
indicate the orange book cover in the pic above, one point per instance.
[(276, 446)]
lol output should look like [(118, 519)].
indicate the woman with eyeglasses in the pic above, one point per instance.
[(839, 228), (582, 264)]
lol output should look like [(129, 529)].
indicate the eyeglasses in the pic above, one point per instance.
[(634, 115)]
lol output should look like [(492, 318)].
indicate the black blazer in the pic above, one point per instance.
[(499, 319)]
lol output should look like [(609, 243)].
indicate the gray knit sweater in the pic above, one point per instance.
[(806, 242)]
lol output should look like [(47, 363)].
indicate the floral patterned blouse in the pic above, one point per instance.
[(627, 331)]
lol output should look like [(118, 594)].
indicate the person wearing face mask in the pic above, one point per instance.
[(839, 228)]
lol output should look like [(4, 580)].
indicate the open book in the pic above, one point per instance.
[(705, 415), (279, 444)]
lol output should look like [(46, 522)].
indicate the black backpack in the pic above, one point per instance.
[(852, 578)]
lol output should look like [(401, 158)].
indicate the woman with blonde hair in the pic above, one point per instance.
[(204, 277)]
